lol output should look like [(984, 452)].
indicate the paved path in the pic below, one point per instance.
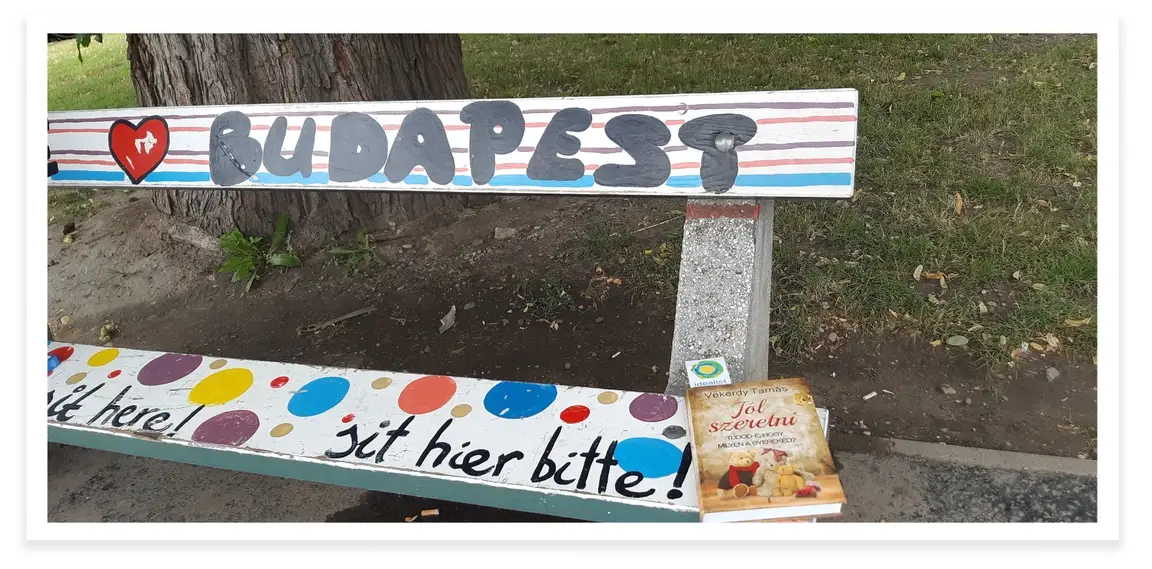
[(885, 480)]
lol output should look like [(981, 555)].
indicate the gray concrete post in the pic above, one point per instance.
[(725, 291)]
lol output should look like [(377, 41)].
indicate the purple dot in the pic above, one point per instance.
[(168, 368), (232, 428), (652, 407)]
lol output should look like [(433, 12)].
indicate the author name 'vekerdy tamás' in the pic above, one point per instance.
[(750, 415)]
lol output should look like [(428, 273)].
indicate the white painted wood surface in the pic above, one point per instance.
[(804, 145), (243, 405)]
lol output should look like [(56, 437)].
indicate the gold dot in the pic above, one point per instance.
[(281, 430), (76, 378), (103, 356), (461, 410), (381, 383), (608, 397), (218, 364)]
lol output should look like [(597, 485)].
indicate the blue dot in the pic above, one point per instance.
[(318, 396), (516, 400), (653, 458)]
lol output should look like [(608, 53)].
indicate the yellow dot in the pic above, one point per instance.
[(221, 387), (381, 383), (218, 364), (281, 430), (103, 356), (76, 378), (461, 410), (608, 397)]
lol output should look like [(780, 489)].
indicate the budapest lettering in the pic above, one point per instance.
[(742, 144)]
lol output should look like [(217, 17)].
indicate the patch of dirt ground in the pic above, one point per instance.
[(165, 294)]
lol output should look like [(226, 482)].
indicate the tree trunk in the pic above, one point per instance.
[(230, 69)]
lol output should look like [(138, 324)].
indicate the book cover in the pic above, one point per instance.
[(761, 452)]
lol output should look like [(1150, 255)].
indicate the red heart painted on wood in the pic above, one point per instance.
[(139, 149)]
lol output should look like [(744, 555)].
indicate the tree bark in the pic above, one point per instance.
[(232, 69)]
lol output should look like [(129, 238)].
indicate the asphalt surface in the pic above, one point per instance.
[(884, 481)]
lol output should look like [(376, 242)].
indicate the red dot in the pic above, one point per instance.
[(114, 374), (279, 382), (574, 414), (62, 353), (426, 394), (348, 418)]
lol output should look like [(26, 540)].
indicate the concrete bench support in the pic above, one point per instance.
[(725, 288)]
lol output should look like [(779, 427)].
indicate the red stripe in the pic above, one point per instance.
[(824, 118), (697, 211)]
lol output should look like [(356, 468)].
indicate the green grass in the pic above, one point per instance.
[(66, 205), (101, 81), (1008, 122)]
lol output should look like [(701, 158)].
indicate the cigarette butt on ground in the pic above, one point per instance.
[(870, 395), (411, 518), (429, 513)]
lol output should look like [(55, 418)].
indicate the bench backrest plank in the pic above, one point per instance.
[(785, 144)]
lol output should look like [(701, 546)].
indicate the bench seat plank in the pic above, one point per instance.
[(587, 453)]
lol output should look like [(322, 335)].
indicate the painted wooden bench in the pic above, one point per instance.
[(582, 453)]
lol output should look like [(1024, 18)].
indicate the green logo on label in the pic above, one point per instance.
[(707, 369)]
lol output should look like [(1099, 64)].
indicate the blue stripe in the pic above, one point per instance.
[(178, 177), (503, 180), (315, 178), (89, 175), (523, 180)]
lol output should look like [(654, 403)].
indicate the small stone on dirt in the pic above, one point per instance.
[(833, 337), (470, 306), (65, 320), (967, 400), (599, 319), (567, 366), (477, 242), (503, 233), (947, 389), (537, 228), (1052, 373), (407, 245)]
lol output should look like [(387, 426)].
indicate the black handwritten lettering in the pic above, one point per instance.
[(233, 156), (392, 435), (545, 467), (140, 415), (301, 160), (641, 136), (717, 169), (588, 455), (110, 407), (504, 459), (474, 459), (545, 164), (123, 413), (361, 451), (421, 141), (62, 413), (484, 143), (359, 148), (150, 424), (350, 432), (186, 419), (607, 462), (435, 443), (559, 471), (629, 480)]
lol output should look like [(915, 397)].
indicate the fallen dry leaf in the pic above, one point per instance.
[(1037, 346), (1016, 275), (614, 280), (1052, 340), (959, 203), (893, 313), (942, 283), (916, 273), (933, 275), (901, 76), (1039, 286), (957, 340), (1076, 323), (983, 308), (935, 343)]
